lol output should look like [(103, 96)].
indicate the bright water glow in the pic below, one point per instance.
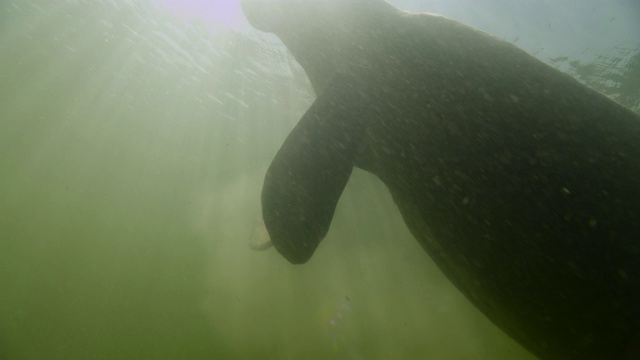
[(219, 13)]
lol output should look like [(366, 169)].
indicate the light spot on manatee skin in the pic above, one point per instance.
[(437, 181), (465, 201), (565, 191), (485, 94)]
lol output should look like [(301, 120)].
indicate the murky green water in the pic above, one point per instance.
[(132, 149)]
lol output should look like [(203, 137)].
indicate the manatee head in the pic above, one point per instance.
[(263, 15), (277, 16)]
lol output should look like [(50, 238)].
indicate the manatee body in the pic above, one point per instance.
[(522, 184)]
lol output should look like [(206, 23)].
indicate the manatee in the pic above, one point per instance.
[(522, 184)]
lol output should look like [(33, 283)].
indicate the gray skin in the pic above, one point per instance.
[(522, 184)]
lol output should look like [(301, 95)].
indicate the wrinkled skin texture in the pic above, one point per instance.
[(522, 184)]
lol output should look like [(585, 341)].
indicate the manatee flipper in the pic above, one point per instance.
[(306, 178), (259, 239)]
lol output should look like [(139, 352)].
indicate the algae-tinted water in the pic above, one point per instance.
[(132, 147)]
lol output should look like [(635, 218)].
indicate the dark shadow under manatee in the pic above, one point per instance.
[(522, 184)]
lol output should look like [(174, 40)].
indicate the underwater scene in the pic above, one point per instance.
[(135, 137)]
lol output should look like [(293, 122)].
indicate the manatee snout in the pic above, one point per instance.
[(263, 15)]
